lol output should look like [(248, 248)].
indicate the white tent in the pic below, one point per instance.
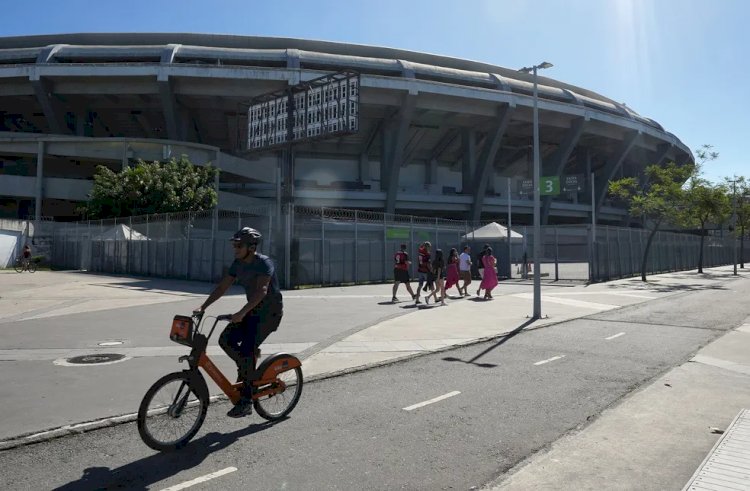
[(493, 232), (119, 232)]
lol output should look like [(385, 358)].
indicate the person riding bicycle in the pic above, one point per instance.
[(257, 319), (26, 254)]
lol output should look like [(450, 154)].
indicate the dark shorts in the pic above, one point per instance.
[(401, 275)]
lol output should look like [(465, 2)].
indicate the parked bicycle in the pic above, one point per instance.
[(174, 408), (23, 264)]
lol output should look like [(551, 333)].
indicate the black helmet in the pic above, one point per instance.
[(247, 235)]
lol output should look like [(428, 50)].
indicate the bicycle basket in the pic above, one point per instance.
[(182, 330)]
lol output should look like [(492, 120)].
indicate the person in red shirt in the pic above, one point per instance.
[(401, 272)]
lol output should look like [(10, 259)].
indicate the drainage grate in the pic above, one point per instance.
[(94, 359)]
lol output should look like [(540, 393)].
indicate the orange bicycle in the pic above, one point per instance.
[(174, 408)]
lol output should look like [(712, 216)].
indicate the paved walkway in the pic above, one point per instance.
[(662, 426)]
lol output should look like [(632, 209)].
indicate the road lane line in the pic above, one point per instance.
[(421, 404), (615, 336), (549, 360), (201, 479)]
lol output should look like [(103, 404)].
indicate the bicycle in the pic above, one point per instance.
[(181, 398), (23, 264)]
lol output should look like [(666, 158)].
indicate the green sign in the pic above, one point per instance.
[(550, 186), (397, 233)]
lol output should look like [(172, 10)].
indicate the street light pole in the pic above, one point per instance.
[(537, 196), (734, 224)]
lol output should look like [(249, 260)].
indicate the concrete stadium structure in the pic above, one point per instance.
[(437, 136)]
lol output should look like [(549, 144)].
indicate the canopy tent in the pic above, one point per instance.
[(119, 232), (493, 232)]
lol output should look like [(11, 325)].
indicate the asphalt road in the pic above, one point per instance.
[(517, 395)]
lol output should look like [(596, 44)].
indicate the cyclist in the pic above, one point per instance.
[(257, 319), (26, 255)]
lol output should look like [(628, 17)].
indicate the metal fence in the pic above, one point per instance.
[(328, 246)]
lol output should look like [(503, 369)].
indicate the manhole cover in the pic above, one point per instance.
[(95, 359)]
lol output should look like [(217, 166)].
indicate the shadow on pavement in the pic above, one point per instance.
[(502, 341), (143, 473), (148, 283)]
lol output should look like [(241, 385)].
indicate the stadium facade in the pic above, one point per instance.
[(435, 135)]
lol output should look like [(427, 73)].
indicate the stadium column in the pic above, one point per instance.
[(39, 185), (602, 184), (169, 106), (395, 150), (555, 165), (51, 106), (485, 168), (469, 158)]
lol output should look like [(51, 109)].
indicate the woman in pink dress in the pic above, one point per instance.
[(490, 274), (451, 275)]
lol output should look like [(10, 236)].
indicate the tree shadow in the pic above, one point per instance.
[(143, 473), (502, 341), (143, 283)]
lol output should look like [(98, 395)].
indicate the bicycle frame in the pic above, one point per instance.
[(269, 369)]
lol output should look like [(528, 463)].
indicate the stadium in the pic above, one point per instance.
[(425, 135)]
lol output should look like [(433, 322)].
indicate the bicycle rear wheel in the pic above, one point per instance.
[(18, 265), (279, 405), (172, 411)]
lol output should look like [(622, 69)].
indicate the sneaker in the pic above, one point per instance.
[(417, 301), (394, 300), (243, 408)]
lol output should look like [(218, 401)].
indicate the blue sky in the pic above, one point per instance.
[(683, 63)]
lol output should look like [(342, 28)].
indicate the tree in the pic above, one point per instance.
[(740, 196), (704, 203), (155, 187), (657, 198)]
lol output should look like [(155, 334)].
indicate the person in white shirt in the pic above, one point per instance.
[(464, 269)]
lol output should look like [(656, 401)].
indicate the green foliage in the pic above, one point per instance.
[(152, 187), (659, 197), (704, 203)]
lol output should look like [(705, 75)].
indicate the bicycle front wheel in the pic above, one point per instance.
[(172, 411), (18, 265), (32, 267), (277, 406)]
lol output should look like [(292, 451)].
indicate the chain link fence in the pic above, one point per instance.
[(331, 246)]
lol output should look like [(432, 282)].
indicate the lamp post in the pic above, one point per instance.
[(537, 200)]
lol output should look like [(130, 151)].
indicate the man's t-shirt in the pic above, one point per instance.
[(401, 259), (247, 275), (464, 261)]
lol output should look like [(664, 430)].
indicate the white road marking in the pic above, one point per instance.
[(615, 336), (201, 479), (570, 302), (549, 360), (422, 404)]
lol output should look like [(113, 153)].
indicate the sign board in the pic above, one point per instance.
[(572, 183), (397, 233), (320, 108), (550, 186)]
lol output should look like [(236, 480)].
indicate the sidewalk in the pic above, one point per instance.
[(654, 439)]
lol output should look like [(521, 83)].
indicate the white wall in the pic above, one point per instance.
[(8, 244)]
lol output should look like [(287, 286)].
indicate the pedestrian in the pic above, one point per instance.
[(438, 271), (480, 266), (424, 268), (489, 282), (401, 272), (451, 275), (464, 269)]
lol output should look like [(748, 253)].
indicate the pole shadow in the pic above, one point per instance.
[(502, 341), (141, 474)]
